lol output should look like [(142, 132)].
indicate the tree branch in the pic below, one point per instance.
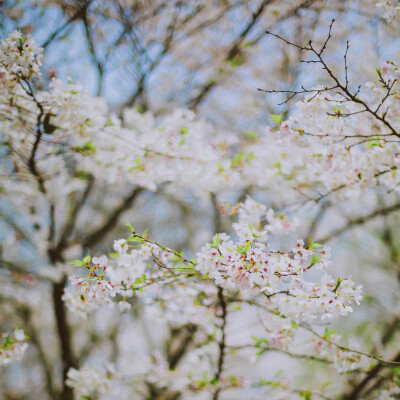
[(112, 220), (222, 343), (360, 221)]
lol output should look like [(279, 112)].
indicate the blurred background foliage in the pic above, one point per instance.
[(209, 56)]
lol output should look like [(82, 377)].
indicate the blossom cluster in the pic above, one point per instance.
[(344, 146), (247, 264), (137, 148), (342, 360), (88, 294), (283, 334), (89, 380), (253, 213), (19, 55), (391, 393), (280, 276), (149, 272), (12, 346), (128, 272), (390, 7)]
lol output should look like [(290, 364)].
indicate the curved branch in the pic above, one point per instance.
[(360, 221), (112, 220)]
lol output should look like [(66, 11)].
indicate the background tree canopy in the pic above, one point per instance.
[(173, 116)]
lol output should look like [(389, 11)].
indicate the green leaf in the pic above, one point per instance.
[(77, 263), (251, 135), (264, 382), (328, 333), (8, 340), (243, 250), (216, 241), (135, 239), (109, 122), (139, 280), (81, 174), (396, 370), (312, 245), (375, 142), (315, 259), (87, 260), (220, 168), (130, 227), (259, 341), (138, 166), (276, 118), (306, 395), (238, 159), (338, 282), (326, 384), (87, 148)]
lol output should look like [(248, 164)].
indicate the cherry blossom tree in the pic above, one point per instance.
[(158, 319)]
